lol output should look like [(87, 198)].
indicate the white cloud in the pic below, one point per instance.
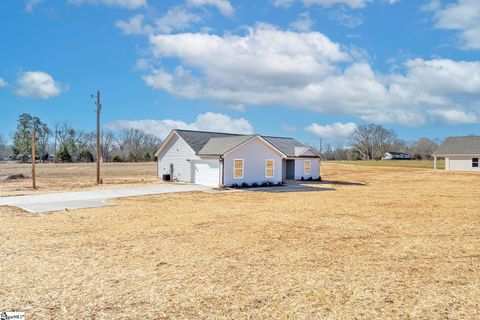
[(134, 26), (303, 24), (3, 83), (462, 17), (37, 84), (342, 17), (354, 4), (176, 19), (30, 5), (127, 4), (224, 6), (268, 66), (455, 116), (332, 132), (209, 121)]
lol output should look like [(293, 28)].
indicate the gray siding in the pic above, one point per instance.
[(254, 153), (176, 153), (299, 169)]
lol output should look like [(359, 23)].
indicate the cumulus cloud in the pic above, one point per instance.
[(224, 6), (332, 132), (37, 84), (3, 83), (127, 4), (354, 4), (455, 116), (268, 66), (209, 121), (462, 17)]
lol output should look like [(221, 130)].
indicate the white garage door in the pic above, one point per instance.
[(206, 172)]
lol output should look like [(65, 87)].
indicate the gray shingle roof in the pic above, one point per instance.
[(216, 143), (222, 145), (459, 145), (198, 139), (286, 145)]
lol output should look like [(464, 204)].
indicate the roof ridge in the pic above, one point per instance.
[(214, 132)]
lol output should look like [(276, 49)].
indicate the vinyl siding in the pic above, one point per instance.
[(254, 153), (176, 152), (299, 169), (460, 164)]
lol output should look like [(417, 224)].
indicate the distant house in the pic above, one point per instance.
[(222, 159), (396, 156), (460, 153)]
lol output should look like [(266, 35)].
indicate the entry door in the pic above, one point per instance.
[(290, 174)]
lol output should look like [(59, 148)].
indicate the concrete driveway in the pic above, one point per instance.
[(91, 199)]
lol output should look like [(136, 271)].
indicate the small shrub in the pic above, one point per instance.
[(269, 183), (310, 179), (302, 179), (116, 159), (264, 184), (278, 184), (244, 185), (254, 185), (234, 186)]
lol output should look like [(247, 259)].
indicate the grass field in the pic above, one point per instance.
[(77, 176), (385, 243), (426, 164)]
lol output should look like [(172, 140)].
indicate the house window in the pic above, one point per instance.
[(269, 165), (475, 163), (238, 169), (306, 167)]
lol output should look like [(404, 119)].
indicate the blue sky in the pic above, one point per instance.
[(304, 68)]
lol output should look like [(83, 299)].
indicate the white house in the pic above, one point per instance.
[(390, 155), (460, 153), (223, 159)]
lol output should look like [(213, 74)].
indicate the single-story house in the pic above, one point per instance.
[(460, 153), (223, 159), (390, 155)]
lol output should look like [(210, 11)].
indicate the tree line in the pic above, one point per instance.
[(372, 141), (64, 143)]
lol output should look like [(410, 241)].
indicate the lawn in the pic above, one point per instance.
[(368, 243), (426, 164), (73, 176)]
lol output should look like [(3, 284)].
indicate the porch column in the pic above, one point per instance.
[(435, 163)]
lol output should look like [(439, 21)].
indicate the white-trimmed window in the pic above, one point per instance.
[(269, 168), (238, 169), (306, 167)]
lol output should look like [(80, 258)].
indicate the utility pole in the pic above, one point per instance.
[(99, 108), (34, 178)]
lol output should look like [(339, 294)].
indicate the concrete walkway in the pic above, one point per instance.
[(91, 199)]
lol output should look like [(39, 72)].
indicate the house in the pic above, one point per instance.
[(396, 156), (224, 159), (460, 153)]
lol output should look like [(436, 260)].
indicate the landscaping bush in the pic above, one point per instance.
[(245, 185), (310, 179), (302, 179), (116, 159), (254, 185)]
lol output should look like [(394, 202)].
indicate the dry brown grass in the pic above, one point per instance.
[(74, 176), (403, 246)]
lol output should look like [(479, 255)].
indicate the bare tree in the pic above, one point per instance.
[(108, 145), (424, 148), (136, 145), (3, 148), (371, 141)]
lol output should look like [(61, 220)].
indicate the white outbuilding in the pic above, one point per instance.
[(460, 153)]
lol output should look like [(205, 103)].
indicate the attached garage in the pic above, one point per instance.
[(206, 172)]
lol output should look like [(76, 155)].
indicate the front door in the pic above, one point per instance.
[(290, 174)]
